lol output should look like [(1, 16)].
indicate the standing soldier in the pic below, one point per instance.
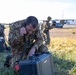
[(43, 33), (46, 27), (3, 44)]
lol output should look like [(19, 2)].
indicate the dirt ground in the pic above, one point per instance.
[(56, 32), (63, 32)]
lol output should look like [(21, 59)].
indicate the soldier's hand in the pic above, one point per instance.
[(31, 52), (22, 31)]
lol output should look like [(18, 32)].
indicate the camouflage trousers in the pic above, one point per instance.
[(47, 39), (17, 57)]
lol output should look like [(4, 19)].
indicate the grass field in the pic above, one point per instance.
[(64, 55), (63, 48)]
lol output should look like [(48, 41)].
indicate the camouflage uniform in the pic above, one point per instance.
[(18, 42), (46, 27), (42, 29)]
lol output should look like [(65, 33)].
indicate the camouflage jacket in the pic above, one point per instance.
[(17, 42), (46, 26)]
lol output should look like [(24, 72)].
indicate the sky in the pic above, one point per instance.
[(13, 10)]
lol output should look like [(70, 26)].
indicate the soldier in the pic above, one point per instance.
[(2, 30), (46, 28), (42, 30), (3, 44), (25, 39)]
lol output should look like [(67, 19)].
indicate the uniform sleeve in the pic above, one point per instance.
[(15, 39), (38, 39)]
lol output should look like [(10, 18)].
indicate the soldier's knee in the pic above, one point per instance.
[(43, 48)]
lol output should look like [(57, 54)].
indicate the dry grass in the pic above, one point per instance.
[(63, 48)]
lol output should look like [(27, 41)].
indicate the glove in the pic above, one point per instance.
[(16, 67)]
